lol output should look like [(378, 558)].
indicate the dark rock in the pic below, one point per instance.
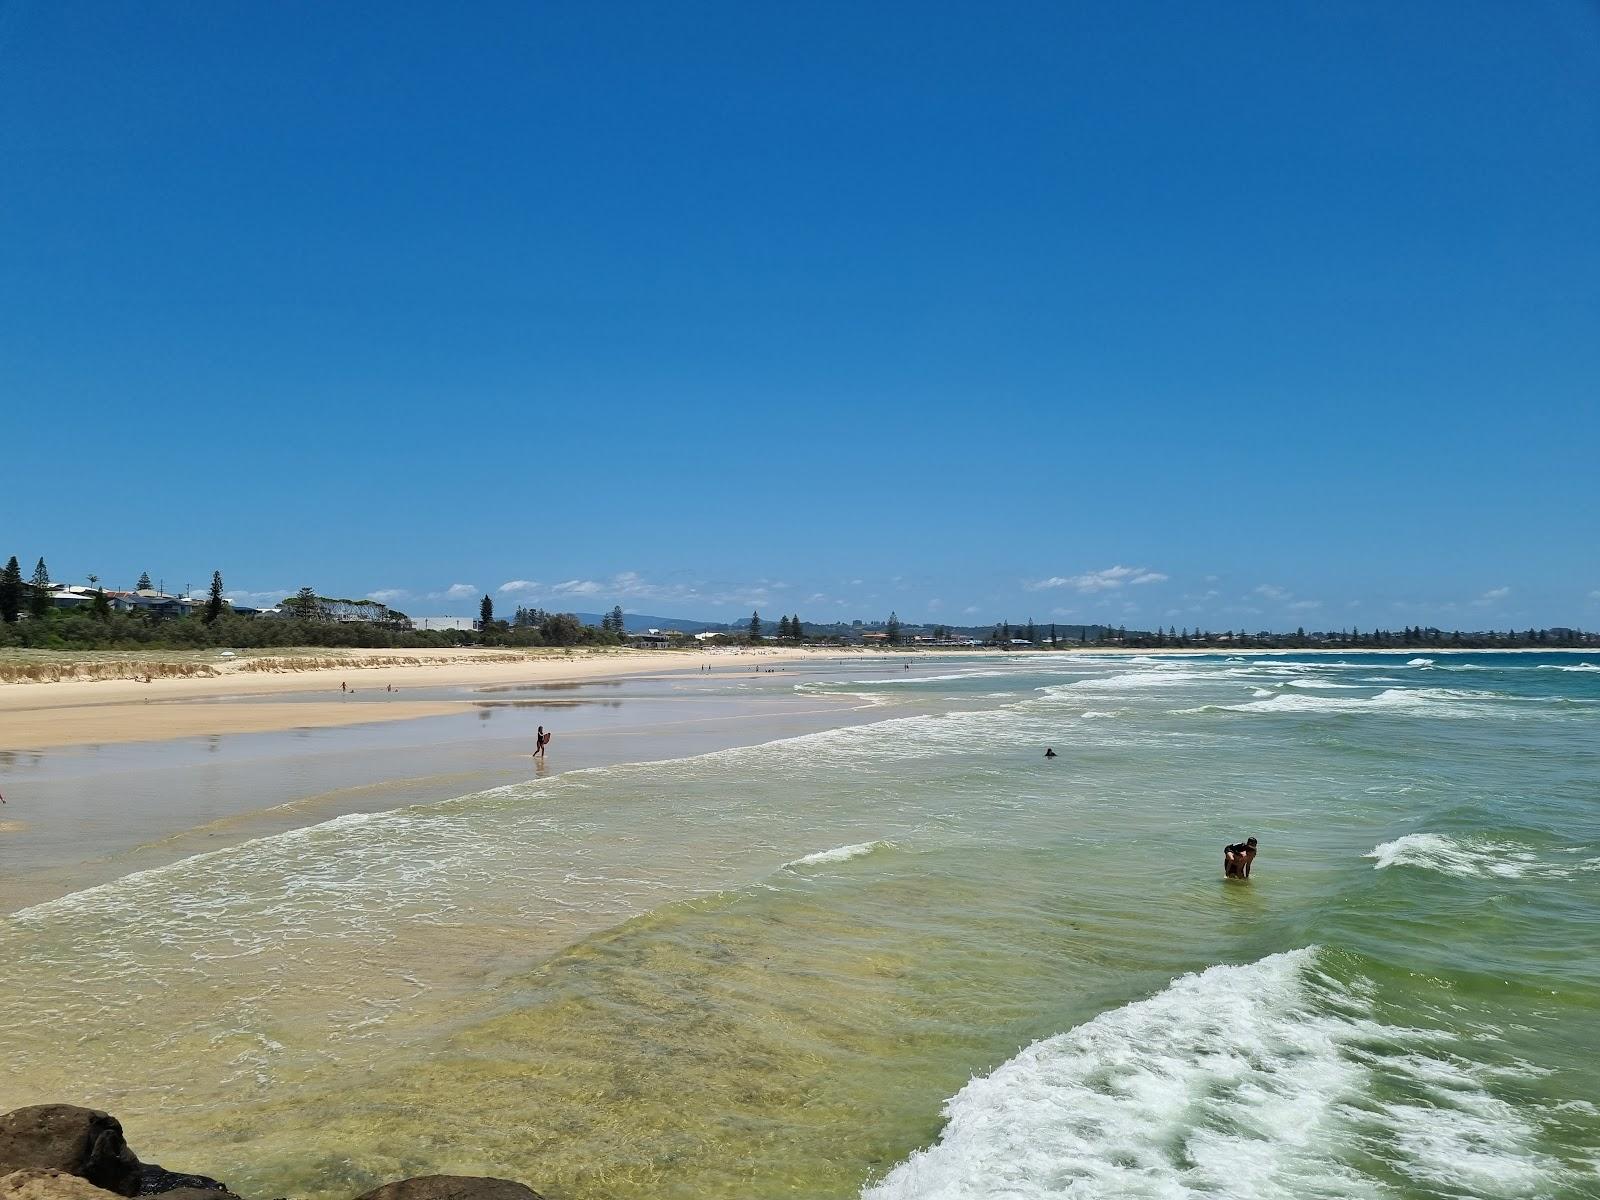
[(154, 1178), (452, 1187), (198, 1193), (75, 1141)]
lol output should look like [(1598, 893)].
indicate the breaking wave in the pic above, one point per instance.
[(1473, 857), (1263, 1072), (838, 854)]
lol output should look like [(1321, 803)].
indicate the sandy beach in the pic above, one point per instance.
[(241, 697)]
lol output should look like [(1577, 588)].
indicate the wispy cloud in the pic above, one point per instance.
[(1272, 591), (1492, 596), (512, 586), (1305, 605), (460, 591), (268, 596), (388, 595), (1099, 581)]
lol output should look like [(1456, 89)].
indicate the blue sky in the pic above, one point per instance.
[(1237, 315)]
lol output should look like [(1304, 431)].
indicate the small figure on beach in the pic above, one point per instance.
[(343, 687), (1049, 752), (1236, 859), (541, 739)]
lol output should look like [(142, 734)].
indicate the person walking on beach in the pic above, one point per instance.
[(542, 739), (1236, 859)]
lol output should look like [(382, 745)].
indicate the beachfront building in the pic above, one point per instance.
[(71, 596), (655, 638), (154, 603)]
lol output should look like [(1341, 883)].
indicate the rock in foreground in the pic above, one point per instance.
[(74, 1141), (31, 1183)]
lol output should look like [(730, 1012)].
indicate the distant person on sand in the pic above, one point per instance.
[(1049, 752), (1236, 859)]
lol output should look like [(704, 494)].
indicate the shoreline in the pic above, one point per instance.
[(83, 815), (241, 696), (53, 715)]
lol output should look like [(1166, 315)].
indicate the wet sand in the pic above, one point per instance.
[(240, 699), (86, 814)]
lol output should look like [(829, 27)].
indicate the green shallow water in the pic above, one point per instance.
[(774, 971)]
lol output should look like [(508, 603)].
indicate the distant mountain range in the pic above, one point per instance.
[(639, 622)]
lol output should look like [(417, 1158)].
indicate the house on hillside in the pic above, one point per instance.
[(154, 603)]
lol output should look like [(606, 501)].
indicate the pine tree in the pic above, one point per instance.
[(617, 623), (39, 591), (755, 627), (11, 592), (1053, 642), (214, 600), (784, 632), (796, 630), (893, 629), (1033, 633), (485, 613), (144, 582)]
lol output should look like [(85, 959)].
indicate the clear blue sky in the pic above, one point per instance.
[(1222, 315)]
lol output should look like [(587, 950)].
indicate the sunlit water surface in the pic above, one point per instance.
[(906, 959)]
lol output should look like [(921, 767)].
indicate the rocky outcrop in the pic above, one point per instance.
[(31, 1183), (452, 1187), (74, 1141), (154, 1179), (60, 1152)]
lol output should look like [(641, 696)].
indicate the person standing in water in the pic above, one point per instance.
[(542, 739), (1236, 859)]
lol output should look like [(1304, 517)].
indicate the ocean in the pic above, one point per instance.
[(904, 959)]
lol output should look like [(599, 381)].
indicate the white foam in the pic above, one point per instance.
[(1583, 666), (838, 854), (1136, 680), (1420, 662), (1472, 857), (1243, 1081), (1445, 702)]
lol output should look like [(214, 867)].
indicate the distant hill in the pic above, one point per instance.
[(639, 622)]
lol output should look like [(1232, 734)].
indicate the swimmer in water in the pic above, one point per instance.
[(1236, 859), (1049, 752)]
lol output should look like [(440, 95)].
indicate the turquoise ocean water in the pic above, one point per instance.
[(904, 959)]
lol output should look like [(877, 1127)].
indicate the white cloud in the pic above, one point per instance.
[(1273, 592), (1099, 581), (269, 596), (970, 609), (388, 595), (460, 591), (577, 587), (1492, 596), (519, 585), (1305, 605)]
